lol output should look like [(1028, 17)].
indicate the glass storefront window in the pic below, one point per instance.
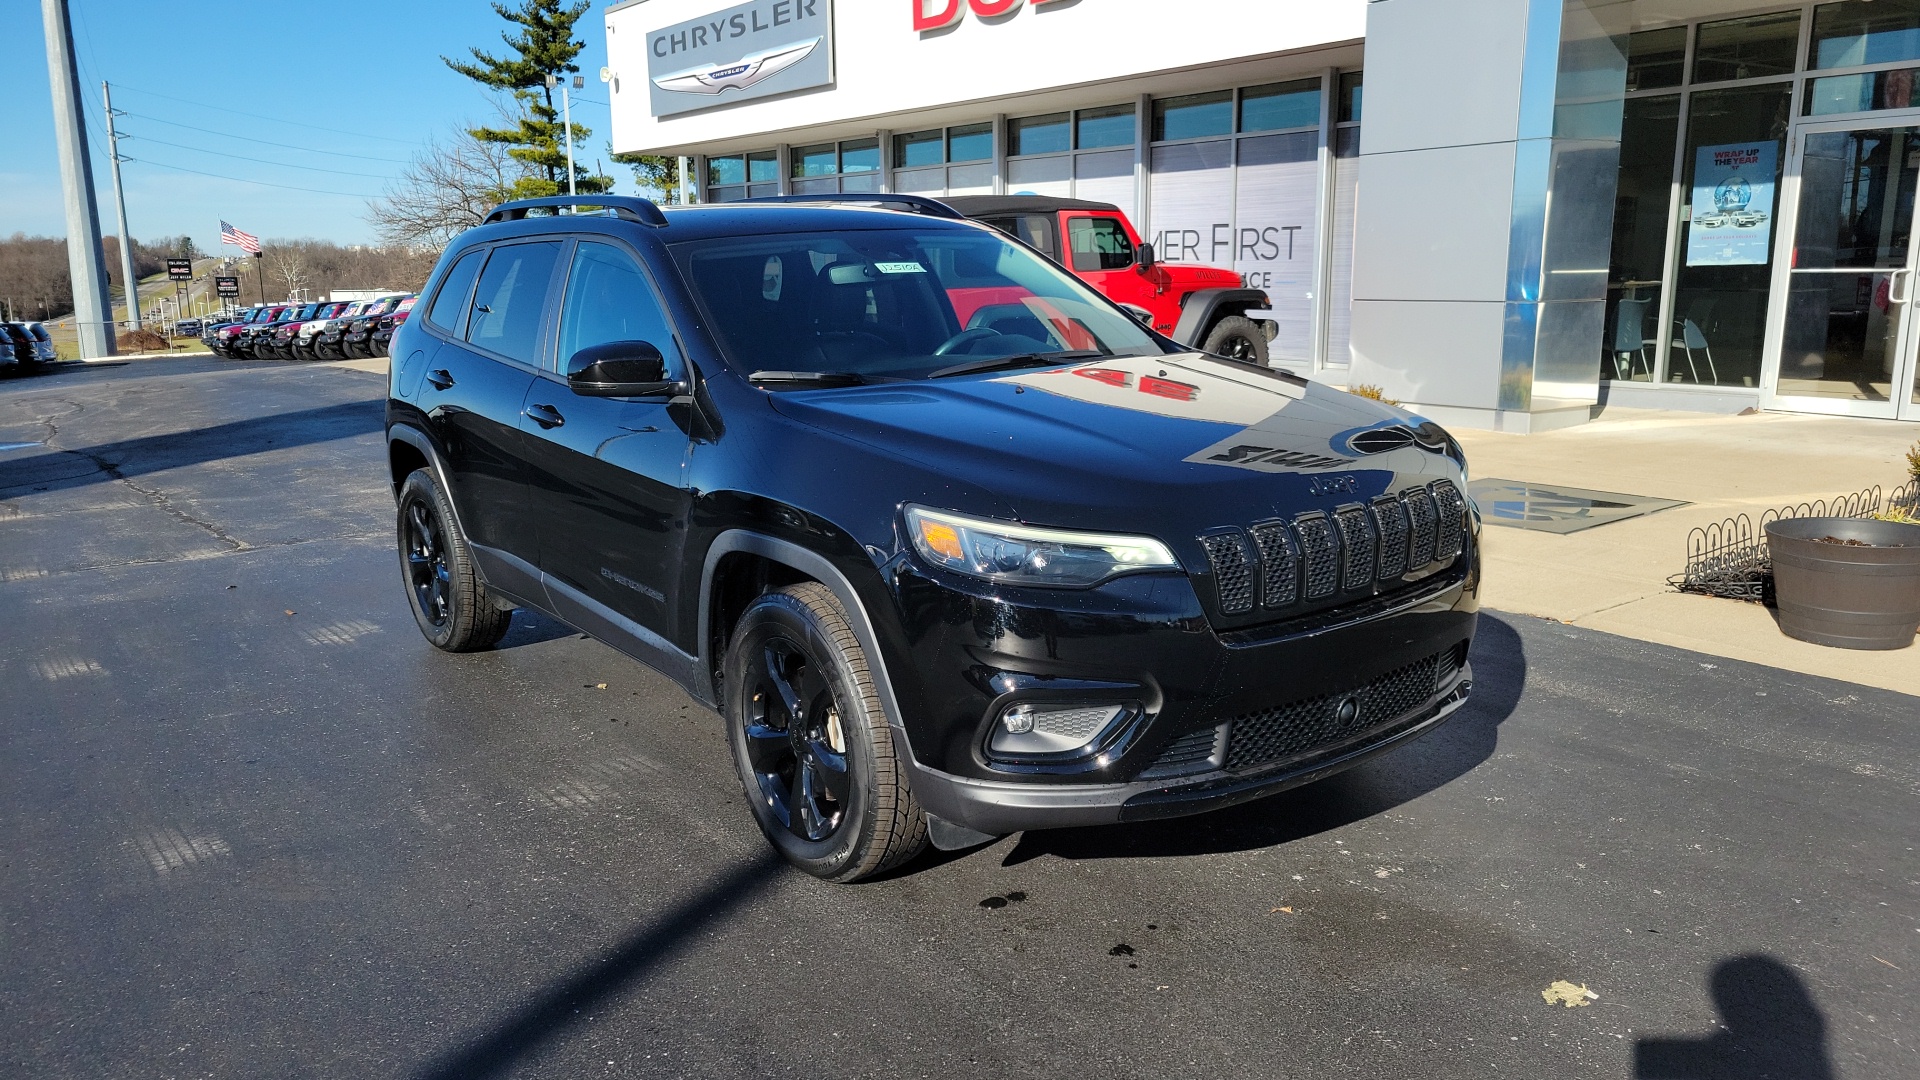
[(1350, 86), (1749, 48), (971, 143), (919, 148), (1656, 59), (1195, 116), (1723, 281), (1641, 209), (1111, 126), (860, 156), (763, 167), (1854, 33), (726, 170), (818, 160), (1279, 106), (1866, 92), (1049, 134)]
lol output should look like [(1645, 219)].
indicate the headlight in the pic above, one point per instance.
[(1025, 555)]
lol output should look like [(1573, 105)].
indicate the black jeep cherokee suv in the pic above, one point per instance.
[(954, 545)]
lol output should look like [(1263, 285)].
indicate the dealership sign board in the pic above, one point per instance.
[(748, 51), (180, 269), (226, 286), (931, 15)]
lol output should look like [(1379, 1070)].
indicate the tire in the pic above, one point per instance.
[(1237, 338), (795, 645), (450, 603)]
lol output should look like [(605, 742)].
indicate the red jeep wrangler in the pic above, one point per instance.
[(1202, 307)]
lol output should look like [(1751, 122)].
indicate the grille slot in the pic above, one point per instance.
[(1382, 440), (1391, 517), (1356, 536), (1275, 734), (1320, 553), (1279, 564), (1232, 571), (1422, 521), (1451, 532), (1196, 751)]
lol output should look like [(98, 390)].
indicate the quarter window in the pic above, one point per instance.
[(508, 303), (451, 300), (608, 299)]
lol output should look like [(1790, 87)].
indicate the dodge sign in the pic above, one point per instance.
[(751, 50)]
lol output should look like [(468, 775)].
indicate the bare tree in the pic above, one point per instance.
[(446, 190), (288, 262)]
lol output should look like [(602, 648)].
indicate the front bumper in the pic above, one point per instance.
[(997, 808)]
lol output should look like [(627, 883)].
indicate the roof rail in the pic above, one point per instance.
[(912, 204), (626, 206)]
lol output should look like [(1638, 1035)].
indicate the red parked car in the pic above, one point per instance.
[(1202, 307)]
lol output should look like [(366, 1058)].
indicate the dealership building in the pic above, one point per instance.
[(1502, 212)]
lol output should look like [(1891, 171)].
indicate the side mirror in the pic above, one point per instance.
[(1143, 257), (620, 369)]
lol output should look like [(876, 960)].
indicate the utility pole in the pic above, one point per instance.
[(566, 118), (92, 318), (120, 202)]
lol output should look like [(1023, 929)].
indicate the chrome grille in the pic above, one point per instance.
[(1320, 553), (1453, 520), (1356, 537), (1391, 518), (1232, 572), (1272, 735), (1422, 519), (1279, 563)]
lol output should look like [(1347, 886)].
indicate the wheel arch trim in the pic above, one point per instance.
[(1203, 306)]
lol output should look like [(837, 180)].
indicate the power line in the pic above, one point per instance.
[(263, 142), (256, 161), (260, 183), (261, 116)]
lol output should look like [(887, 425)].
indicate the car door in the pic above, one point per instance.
[(1102, 253), (472, 390), (608, 475)]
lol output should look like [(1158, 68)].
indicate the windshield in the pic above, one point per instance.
[(898, 304)]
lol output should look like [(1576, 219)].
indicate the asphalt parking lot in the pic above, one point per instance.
[(252, 825)]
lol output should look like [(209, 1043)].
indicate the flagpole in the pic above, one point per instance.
[(261, 266)]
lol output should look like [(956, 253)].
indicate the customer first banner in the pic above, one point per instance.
[(1732, 204)]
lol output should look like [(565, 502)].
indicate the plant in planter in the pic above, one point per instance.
[(1853, 583)]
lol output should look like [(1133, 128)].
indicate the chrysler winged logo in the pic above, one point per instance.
[(748, 71)]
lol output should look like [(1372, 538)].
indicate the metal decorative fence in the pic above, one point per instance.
[(1730, 559)]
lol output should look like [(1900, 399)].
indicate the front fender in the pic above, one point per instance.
[(1204, 307)]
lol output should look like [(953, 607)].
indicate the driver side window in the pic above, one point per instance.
[(608, 299)]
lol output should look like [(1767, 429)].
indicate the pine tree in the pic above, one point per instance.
[(544, 43)]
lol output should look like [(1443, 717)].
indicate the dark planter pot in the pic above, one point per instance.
[(1846, 596)]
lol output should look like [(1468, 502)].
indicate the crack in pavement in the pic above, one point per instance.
[(154, 496)]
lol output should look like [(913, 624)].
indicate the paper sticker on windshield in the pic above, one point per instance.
[(900, 268)]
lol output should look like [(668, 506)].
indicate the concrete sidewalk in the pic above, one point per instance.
[(1613, 577)]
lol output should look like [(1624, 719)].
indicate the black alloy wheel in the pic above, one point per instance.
[(796, 741), (1238, 338), (816, 757), (451, 604)]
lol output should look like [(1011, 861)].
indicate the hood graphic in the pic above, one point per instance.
[(742, 73)]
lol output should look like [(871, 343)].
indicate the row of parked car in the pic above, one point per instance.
[(329, 330), (24, 345)]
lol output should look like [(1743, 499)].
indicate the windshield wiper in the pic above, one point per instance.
[(996, 363), (811, 378)]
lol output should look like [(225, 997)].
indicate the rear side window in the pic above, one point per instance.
[(508, 303), (1099, 243), (1033, 229), (608, 299), (451, 300)]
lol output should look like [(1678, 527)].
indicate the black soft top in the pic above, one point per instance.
[(978, 206)]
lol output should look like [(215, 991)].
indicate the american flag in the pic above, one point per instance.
[(244, 241)]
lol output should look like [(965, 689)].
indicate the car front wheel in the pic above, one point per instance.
[(1238, 338), (811, 742), (450, 602)]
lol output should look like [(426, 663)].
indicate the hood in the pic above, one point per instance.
[(1185, 443)]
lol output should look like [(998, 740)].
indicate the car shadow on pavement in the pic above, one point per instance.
[(1438, 758), (1769, 1027), (503, 1046), (196, 446)]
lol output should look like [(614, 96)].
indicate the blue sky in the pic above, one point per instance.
[(348, 89)]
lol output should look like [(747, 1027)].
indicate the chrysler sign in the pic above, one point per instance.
[(748, 51)]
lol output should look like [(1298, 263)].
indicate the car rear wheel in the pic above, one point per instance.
[(450, 602), (1238, 338), (811, 742)]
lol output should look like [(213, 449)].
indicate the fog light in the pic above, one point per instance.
[(1029, 730)]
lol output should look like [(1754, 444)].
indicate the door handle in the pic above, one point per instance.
[(545, 415), (1894, 281), (441, 379)]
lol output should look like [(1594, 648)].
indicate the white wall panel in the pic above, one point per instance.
[(1192, 193), (1040, 176), (1106, 177), (1436, 223), (1275, 234)]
